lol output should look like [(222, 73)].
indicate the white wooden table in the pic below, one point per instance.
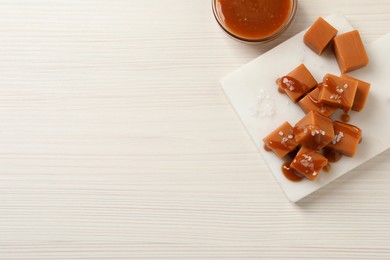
[(118, 143)]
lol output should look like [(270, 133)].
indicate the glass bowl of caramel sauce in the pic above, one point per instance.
[(254, 21)]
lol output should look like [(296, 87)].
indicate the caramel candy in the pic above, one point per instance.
[(346, 138), (314, 131), (361, 93), (319, 36), (297, 83), (350, 51), (281, 141), (310, 103), (338, 92), (309, 163)]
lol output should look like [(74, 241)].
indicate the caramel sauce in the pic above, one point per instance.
[(345, 117), (254, 19), (316, 140), (284, 146), (290, 173), (332, 155), (291, 84), (281, 91), (352, 130), (267, 148), (312, 165), (333, 88), (283, 141), (313, 99), (327, 167)]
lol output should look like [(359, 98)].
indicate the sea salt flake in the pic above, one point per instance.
[(281, 133), (264, 106), (306, 163), (289, 84), (337, 137)]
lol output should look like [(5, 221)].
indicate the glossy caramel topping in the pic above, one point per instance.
[(327, 167), (290, 173), (267, 148), (348, 129), (346, 138), (309, 163), (345, 117), (292, 85), (363, 88), (310, 103), (297, 82), (314, 131), (281, 91), (284, 142), (338, 92), (281, 141)]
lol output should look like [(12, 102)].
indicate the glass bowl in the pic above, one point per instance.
[(282, 28)]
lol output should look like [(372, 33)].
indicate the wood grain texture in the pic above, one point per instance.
[(116, 141)]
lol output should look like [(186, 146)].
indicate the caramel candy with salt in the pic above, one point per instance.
[(310, 103), (338, 92), (319, 36), (297, 83), (314, 131), (350, 51), (361, 93), (346, 138), (309, 163), (281, 141)]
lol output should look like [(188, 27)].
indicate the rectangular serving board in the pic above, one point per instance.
[(253, 94)]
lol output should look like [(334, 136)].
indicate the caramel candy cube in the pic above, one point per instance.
[(346, 138), (319, 36), (314, 131), (338, 92), (281, 141), (309, 163), (297, 83), (350, 51), (361, 93), (310, 103)]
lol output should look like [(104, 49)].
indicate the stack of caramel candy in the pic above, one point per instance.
[(316, 140)]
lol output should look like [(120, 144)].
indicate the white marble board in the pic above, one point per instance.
[(252, 92)]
